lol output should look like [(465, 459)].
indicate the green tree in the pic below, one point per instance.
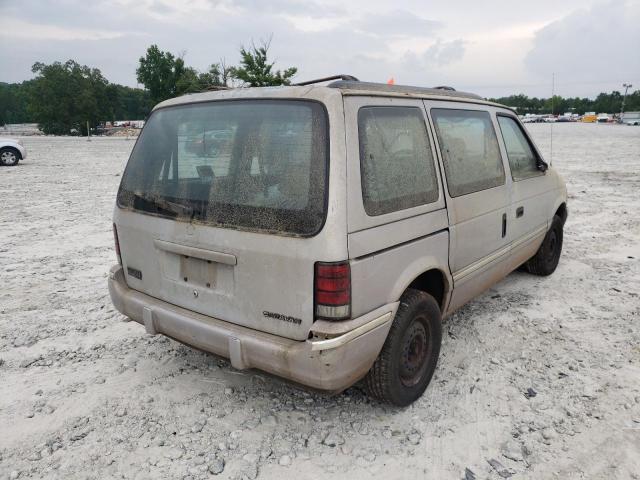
[(218, 75), (193, 81), (608, 102), (555, 105), (64, 96), (160, 73), (632, 102), (188, 82), (166, 76), (256, 71), (603, 103), (13, 102), (126, 103)]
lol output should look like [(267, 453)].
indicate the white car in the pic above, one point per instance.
[(11, 151)]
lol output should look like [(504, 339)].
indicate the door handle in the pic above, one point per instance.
[(519, 212), (504, 225)]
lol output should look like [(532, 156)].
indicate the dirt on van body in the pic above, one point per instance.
[(539, 377)]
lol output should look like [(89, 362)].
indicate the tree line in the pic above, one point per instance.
[(603, 103), (63, 97)]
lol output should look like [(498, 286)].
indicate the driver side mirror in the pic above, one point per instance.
[(542, 165)]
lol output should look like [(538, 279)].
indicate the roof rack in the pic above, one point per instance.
[(350, 78), (445, 87), (406, 89)]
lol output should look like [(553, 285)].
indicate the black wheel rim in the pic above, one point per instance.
[(7, 157), (416, 349)]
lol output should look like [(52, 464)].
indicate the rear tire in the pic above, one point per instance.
[(9, 156), (408, 358), (546, 259)]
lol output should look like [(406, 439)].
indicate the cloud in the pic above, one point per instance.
[(443, 53), (289, 7), (483, 50), (34, 31), (596, 44), (398, 23)]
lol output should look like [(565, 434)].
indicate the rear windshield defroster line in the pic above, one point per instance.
[(259, 165)]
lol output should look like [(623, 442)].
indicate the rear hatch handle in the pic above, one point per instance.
[(211, 255)]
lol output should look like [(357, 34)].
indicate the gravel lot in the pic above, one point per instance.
[(86, 395)]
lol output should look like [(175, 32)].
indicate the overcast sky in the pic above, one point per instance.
[(493, 48)]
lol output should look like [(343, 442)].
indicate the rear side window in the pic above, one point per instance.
[(523, 161), (251, 164), (396, 163), (470, 151)]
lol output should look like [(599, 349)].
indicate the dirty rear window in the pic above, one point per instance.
[(396, 164), (252, 164)]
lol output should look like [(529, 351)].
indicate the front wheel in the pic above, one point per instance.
[(408, 358), (9, 157), (546, 259)]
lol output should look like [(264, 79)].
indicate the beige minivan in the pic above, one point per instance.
[(322, 232)]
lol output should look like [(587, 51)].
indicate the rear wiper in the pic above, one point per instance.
[(159, 202)]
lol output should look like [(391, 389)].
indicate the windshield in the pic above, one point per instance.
[(253, 164)]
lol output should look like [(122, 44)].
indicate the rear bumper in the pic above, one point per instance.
[(329, 364)]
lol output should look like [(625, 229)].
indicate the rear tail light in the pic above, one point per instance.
[(332, 290), (115, 238)]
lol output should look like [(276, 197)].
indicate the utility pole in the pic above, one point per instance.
[(553, 94), (626, 86)]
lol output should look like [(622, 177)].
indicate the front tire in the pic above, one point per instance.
[(408, 358), (546, 259), (9, 157)]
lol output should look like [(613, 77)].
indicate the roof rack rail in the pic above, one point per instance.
[(350, 78), (401, 89), (445, 87)]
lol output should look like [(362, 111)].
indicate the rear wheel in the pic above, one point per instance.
[(9, 156), (546, 259), (408, 359)]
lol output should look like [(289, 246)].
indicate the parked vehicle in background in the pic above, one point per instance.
[(126, 123), (331, 228), (11, 151), (603, 118), (590, 117), (568, 117), (631, 118), (532, 118)]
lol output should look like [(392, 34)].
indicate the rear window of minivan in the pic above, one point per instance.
[(248, 164)]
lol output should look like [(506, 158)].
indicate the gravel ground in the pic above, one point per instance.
[(538, 378)]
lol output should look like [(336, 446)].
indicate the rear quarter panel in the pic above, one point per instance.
[(381, 277)]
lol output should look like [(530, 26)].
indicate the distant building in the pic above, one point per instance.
[(631, 118)]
